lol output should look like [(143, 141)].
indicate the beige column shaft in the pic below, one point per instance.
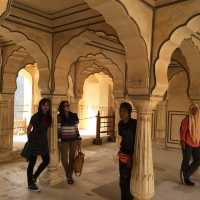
[(142, 180), (6, 121), (160, 132), (75, 104), (118, 101), (54, 175)]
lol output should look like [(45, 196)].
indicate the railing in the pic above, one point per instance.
[(19, 127), (105, 125)]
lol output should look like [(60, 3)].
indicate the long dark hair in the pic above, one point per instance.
[(48, 117), (61, 108), (127, 106)]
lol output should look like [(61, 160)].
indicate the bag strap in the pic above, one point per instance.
[(78, 148)]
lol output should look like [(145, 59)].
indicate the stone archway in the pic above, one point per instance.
[(5, 4), (15, 62), (91, 64), (187, 31), (192, 55), (31, 49), (129, 34), (76, 47)]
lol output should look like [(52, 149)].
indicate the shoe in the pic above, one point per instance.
[(188, 182), (70, 181), (33, 188)]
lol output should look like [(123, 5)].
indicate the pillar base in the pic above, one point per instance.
[(97, 141), (52, 177), (5, 143)]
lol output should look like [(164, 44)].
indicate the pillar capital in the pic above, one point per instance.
[(146, 104), (196, 101)]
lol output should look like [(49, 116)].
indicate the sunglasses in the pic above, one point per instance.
[(67, 106)]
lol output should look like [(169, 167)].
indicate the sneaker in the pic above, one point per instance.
[(188, 182), (33, 188), (70, 181)]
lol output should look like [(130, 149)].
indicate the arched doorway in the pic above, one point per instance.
[(22, 107), (26, 100), (97, 97), (177, 104)]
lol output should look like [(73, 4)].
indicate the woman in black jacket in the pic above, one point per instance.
[(38, 142)]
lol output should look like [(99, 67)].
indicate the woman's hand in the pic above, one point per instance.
[(29, 129), (126, 159)]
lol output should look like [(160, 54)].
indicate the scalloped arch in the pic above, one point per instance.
[(69, 54), (129, 34), (178, 36), (35, 51), (96, 63)]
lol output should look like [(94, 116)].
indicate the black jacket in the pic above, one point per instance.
[(38, 138), (127, 131)]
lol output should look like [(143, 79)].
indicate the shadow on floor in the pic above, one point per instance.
[(106, 191)]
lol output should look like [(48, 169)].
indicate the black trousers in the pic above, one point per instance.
[(189, 167), (125, 180), (31, 165)]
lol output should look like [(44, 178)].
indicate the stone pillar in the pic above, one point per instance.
[(6, 121), (160, 132), (118, 101), (75, 104), (54, 175), (142, 180), (196, 101)]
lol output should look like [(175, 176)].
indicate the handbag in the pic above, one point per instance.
[(26, 151), (79, 161)]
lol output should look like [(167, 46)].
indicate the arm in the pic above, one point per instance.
[(76, 119), (29, 128), (59, 126), (133, 137)]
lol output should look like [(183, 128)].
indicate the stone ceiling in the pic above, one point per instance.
[(54, 6), (50, 6), (156, 3)]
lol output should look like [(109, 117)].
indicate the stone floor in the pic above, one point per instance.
[(100, 179)]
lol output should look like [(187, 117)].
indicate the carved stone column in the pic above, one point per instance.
[(54, 174), (142, 181), (6, 121), (75, 104), (160, 132), (118, 101)]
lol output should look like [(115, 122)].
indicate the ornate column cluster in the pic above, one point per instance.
[(54, 175), (142, 181), (6, 121)]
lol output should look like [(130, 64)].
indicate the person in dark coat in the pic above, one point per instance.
[(70, 138), (127, 131), (38, 142)]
